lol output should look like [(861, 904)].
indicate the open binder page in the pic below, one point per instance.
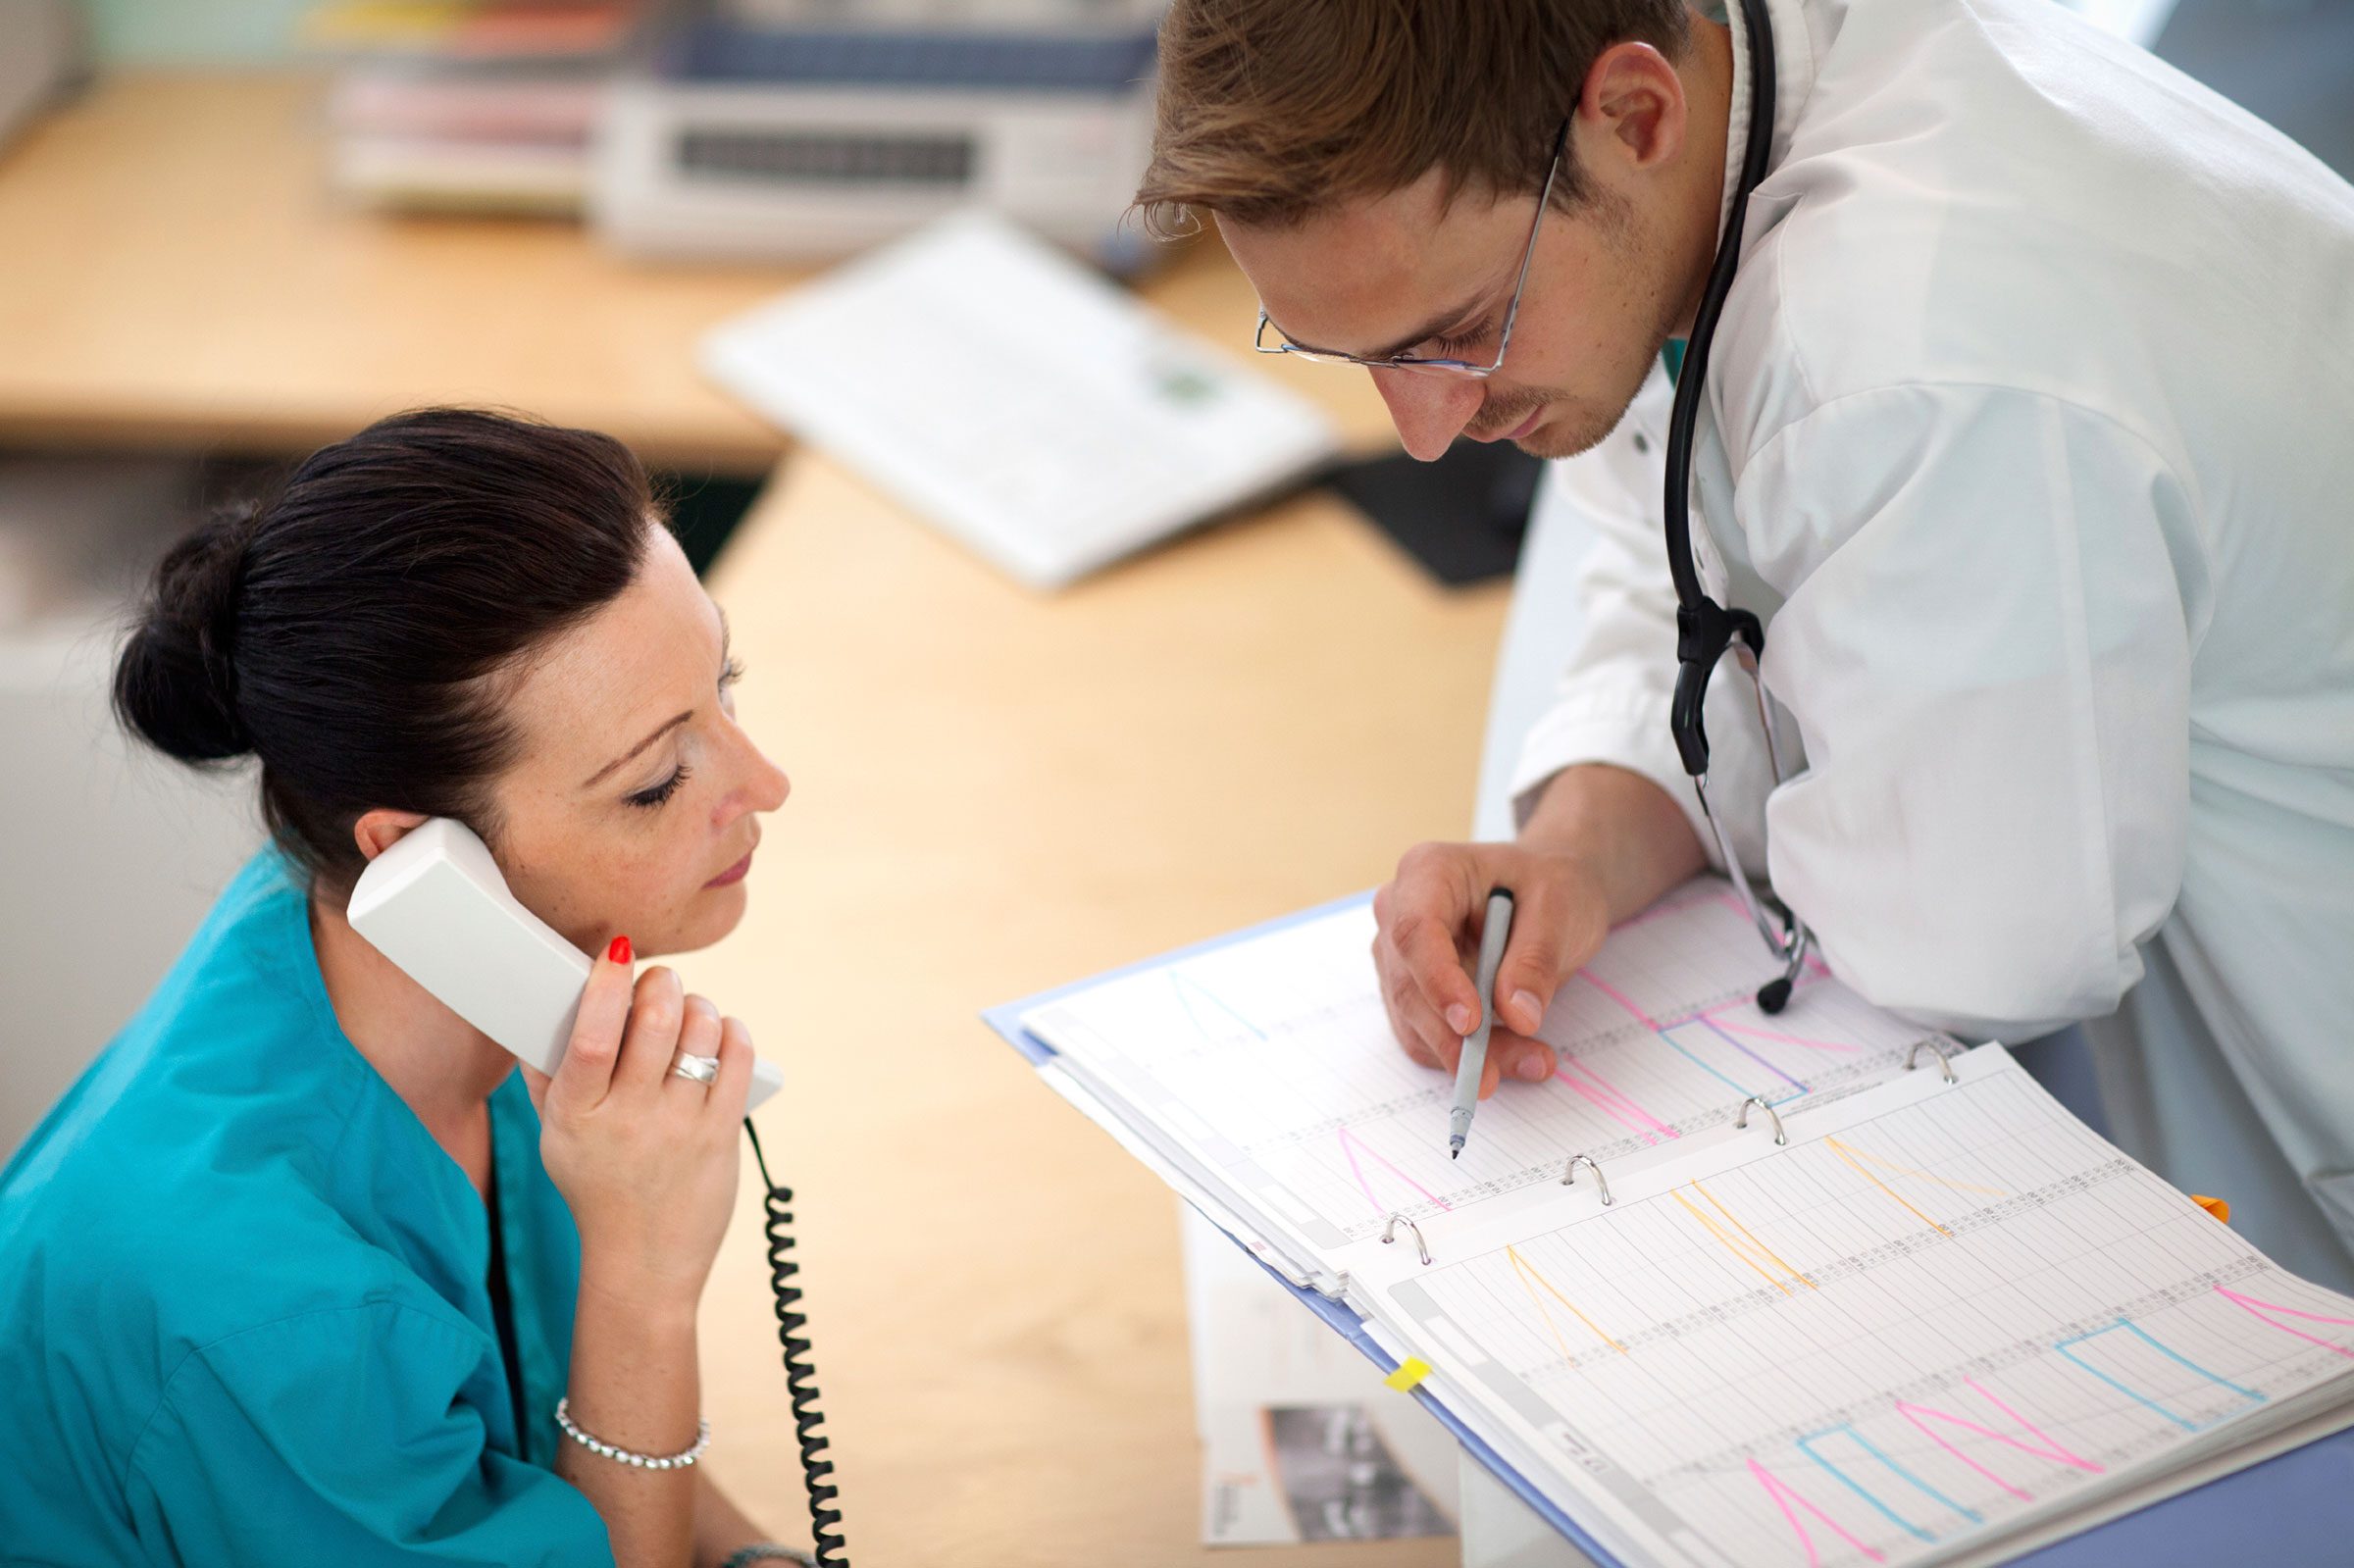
[(1942, 1315), (1267, 1069)]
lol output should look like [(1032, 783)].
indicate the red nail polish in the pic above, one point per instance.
[(619, 952)]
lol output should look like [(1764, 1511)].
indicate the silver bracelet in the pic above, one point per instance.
[(644, 1461)]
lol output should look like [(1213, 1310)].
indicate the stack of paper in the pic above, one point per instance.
[(1904, 1315), (486, 105)]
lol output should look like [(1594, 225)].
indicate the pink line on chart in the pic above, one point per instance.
[(1619, 997), (1612, 1100), (2050, 1449), (1712, 1015), (1350, 1145), (2250, 1304), (1783, 1493)]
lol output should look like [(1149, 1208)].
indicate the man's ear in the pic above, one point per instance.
[(1632, 109), (379, 831)]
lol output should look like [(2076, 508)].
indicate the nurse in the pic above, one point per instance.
[(299, 1270), (2021, 431)]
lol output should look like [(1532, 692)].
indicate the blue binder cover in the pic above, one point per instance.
[(2296, 1508)]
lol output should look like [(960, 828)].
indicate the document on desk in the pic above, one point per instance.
[(1016, 399), (1907, 1314)]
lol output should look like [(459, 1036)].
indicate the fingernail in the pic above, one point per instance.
[(1525, 1003), (1532, 1067), (619, 952), (1459, 1018)]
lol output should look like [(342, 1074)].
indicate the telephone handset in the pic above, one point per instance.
[(437, 906)]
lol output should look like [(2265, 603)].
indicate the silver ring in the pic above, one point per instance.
[(702, 1069), (1741, 1122), (1945, 1063), (1389, 1234), (1569, 1175)]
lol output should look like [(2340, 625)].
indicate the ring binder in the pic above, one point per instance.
[(1945, 1063), (1741, 1122), (1389, 1233), (1569, 1175)]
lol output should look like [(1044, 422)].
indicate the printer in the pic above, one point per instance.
[(799, 131)]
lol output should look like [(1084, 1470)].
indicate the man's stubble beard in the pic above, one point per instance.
[(1579, 424)]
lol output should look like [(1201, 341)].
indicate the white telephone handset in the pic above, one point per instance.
[(436, 904)]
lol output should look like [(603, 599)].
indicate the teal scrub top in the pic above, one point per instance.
[(246, 1315)]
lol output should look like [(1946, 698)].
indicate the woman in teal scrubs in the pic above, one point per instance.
[(299, 1270)]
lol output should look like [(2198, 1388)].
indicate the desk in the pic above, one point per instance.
[(994, 792), (177, 275)]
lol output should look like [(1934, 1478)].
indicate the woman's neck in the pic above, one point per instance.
[(441, 1066)]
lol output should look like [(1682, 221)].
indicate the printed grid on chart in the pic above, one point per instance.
[(1281, 1046), (1861, 1347)]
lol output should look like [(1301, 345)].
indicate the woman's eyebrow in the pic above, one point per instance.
[(667, 726), (670, 723)]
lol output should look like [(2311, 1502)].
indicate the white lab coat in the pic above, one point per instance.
[(2030, 434)]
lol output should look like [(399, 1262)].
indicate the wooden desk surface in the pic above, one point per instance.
[(992, 793), (177, 274)]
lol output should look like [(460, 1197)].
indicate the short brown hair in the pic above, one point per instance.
[(1271, 109)]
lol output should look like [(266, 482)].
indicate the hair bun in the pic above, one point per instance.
[(176, 684)]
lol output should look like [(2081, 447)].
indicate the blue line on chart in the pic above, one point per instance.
[(2167, 1350), (1796, 1083), (1186, 989), (1736, 1085), (1805, 1447)]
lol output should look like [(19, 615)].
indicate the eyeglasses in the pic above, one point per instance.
[(1426, 365)]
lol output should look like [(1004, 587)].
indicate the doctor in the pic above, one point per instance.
[(2018, 412)]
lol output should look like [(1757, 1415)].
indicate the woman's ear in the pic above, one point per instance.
[(379, 831)]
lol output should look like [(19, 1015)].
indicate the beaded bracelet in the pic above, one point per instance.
[(644, 1461)]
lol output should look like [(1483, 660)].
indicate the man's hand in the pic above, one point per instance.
[(1599, 846), (1430, 916)]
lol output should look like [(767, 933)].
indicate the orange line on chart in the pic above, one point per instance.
[(1737, 1247), (1854, 1159), (1528, 1274)]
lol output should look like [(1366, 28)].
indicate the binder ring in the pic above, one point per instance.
[(1945, 1063), (1569, 1175), (1741, 1122), (1389, 1233)]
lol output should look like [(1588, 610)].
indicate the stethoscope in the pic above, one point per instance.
[(1704, 630)]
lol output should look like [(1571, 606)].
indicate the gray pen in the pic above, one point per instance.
[(1474, 1061)]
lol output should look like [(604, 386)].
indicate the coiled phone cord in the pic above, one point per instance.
[(800, 1378)]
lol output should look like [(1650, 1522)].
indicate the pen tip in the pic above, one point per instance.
[(1455, 1153)]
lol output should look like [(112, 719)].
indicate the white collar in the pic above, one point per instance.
[(1793, 80)]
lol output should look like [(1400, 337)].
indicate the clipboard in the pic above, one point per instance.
[(2303, 1493)]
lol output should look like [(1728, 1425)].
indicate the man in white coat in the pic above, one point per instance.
[(2028, 434)]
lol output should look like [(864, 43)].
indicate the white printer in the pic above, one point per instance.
[(799, 131)]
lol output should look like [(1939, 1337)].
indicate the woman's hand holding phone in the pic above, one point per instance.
[(646, 1158)]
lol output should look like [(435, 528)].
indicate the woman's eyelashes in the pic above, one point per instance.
[(659, 794)]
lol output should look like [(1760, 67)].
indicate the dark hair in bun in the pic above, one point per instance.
[(176, 682), (341, 631)]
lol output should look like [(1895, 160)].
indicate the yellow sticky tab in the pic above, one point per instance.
[(1411, 1371), (2213, 1206)]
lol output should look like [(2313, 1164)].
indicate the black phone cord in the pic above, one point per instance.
[(800, 1378)]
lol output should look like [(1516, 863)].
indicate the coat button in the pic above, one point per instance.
[(1642, 443)]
